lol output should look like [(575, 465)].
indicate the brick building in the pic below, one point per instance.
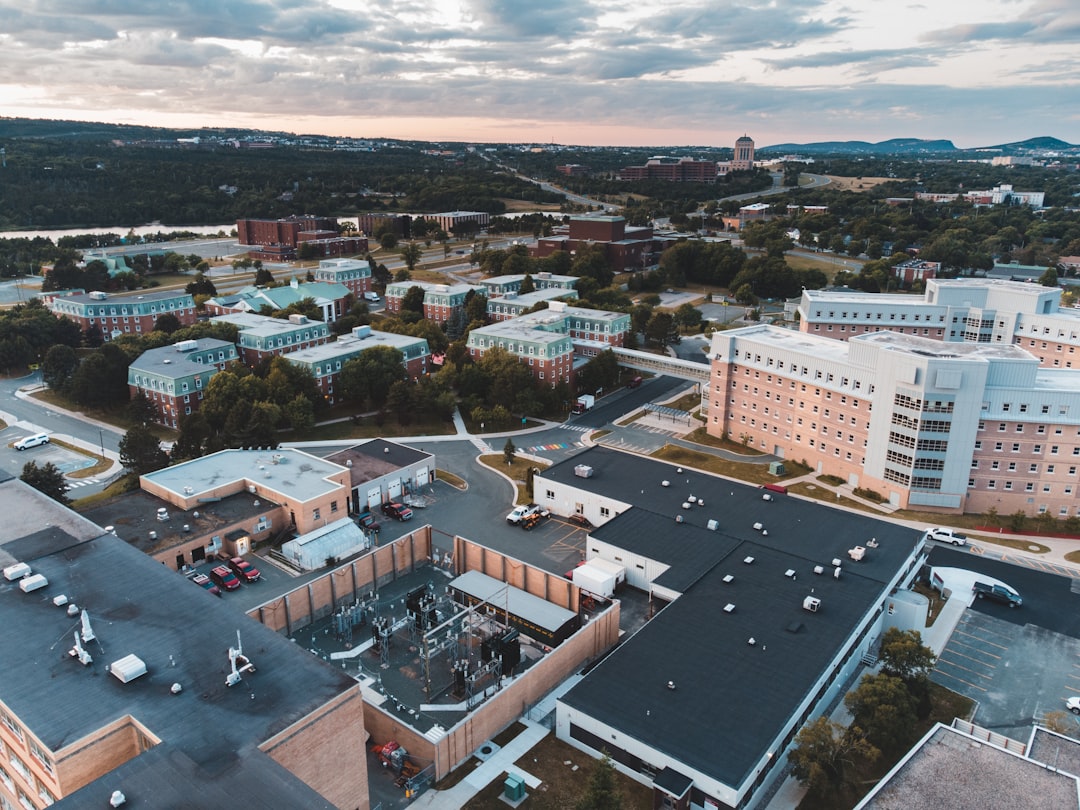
[(513, 305), (261, 336), (326, 361), (116, 315), (456, 223), (540, 343), (674, 170), (350, 273), (174, 377), (441, 301), (504, 285), (130, 700), (625, 247), (278, 239), (375, 224)]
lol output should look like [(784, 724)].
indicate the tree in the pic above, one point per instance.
[(883, 706), (661, 328), (368, 378), (388, 240), (167, 323), (201, 286), (58, 366), (509, 451), (141, 452), (413, 301), (194, 438), (904, 655), (687, 317), (411, 254), (527, 285), (263, 277), (141, 410), (601, 793), (827, 755), (1049, 278), (46, 479)]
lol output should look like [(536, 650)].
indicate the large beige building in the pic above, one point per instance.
[(956, 426)]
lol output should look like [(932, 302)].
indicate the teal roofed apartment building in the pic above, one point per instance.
[(332, 299), (541, 344), (261, 336), (325, 362), (115, 315), (441, 301), (173, 378)]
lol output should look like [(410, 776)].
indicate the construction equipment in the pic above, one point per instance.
[(396, 759)]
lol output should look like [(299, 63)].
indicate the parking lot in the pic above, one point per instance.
[(1016, 673)]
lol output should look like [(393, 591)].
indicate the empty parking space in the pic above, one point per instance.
[(975, 650)]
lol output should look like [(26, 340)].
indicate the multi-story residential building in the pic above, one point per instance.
[(326, 361), (675, 170), (261, 336), (625, 247), (512, 305), (441, 301), (504, 285), (743, 160), (375, 224), (542, 344), (591, 330), (116, 315), (1006, 195), (950, 425), (915, 270), (332, 299), (350, 273), (954, 310), (173, 378)]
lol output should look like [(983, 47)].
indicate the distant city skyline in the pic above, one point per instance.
[(583, 72)]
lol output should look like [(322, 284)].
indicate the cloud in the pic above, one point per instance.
[(1043, 22), (864, 62)]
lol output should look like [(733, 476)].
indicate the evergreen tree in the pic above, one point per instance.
[(602, 793), (46, 479)]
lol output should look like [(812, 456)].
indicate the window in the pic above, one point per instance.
[(333, 506), (316, 514)]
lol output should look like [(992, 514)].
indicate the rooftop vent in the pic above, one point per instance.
[(758, 527), (60, 600), (117, 799), (153, 535), (790, 573), (691, 499), (665, 483), (819, 569), (836, 572), (795, 627), (671, 685), (811, 603), (748, 560), (712, 525), (836, 561), (128, 668), (189, 490), (16, 571), (32, 583), (751, 641), (728, 578), (162, 513), (766, 497), (729, 607)]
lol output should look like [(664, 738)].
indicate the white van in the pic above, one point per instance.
[(34, 440), (372, 296)]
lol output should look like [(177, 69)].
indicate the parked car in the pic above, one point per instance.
[(245, 571), (947, 536), (519, 513), (999, 593), (634, 382), (367, 521), (203, 581), (397, 511), (1073, 705), (34, 440), (224, 577), (580, 520)]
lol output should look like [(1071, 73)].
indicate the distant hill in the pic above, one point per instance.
[(893, 146), (915, 146), (1044, 142)]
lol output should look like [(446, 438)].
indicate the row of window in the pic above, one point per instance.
[(878, 316), (1012, 467), (1035, 448), (1029, 486)]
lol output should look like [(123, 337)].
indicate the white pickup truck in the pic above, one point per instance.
[(522, 512), (947, 536)]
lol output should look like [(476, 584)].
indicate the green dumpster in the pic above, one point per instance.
[(776, 467), (514, 788)]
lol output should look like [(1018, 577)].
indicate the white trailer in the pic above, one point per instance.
[(596, 581), (616, 570)]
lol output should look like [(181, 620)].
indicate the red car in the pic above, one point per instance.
[(245, 571), (224, 577), (397, 511), (203, 581)]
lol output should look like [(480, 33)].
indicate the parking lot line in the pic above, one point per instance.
[(979, 638), (973, 660), (966, 683)]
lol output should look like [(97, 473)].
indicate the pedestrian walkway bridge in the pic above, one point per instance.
[(661, 364)]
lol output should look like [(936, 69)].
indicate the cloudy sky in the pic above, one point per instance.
[(627, 72)]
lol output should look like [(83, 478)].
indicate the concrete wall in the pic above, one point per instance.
[(319, 597)]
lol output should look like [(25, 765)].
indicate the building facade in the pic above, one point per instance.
[(333, 300), (352, 274), (504, 285), (743, 159), (625, 247), (543, 346), (116, 315), (513, 305), (326, 361), (673, 170), (261, 336), (441, 301), (173, 378)]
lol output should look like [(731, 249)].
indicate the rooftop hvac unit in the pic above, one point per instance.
[(128, 668), (187, 345), (32, 583), (729, 607), (691, 499), (97, 295), (728, 578), (748, 560), (790, 573), (251, 488), (189, 490), (16, 571), (583, 471), (811, 603), (712, 525), (836, 572), (836, 562), (758, 527), (665, 483), (818, 569)]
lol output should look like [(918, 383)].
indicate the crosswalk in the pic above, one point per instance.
[(577, 428), (540, 448), (81, 482)]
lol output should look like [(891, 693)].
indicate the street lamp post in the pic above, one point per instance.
[(101, 441)]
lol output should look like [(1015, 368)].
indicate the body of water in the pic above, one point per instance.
[(140, 230)]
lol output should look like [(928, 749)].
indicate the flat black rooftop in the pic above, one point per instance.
[(181, 632), (731, 698), (376, 458), (134, 515)]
